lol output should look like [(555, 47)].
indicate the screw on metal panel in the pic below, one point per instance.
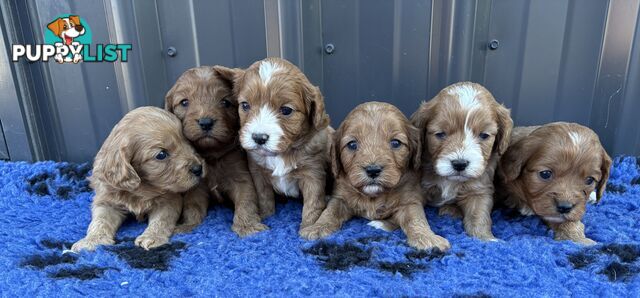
[(494, 44), (329, 48), (172, 52)]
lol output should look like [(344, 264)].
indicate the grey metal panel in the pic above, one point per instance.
[(4, 151), (381, 53)]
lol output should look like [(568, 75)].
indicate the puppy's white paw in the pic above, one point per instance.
[(150, 241), (90, 244), (381, 225)]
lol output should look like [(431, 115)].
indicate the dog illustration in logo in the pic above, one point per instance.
[(67, 29)]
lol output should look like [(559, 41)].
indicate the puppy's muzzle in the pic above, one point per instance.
[(459, 164), (260, 138), (206, 124), (196, 170), (373, 171), (564, 207)]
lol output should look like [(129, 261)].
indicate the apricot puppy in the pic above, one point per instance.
[(285, 131), (141, 169), (202, 99), (375, 159), (551, 171), (465, 131)]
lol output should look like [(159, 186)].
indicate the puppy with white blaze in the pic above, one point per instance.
[(285, 130), (465, 131)]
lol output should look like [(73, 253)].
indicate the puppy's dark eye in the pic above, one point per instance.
[(162, 155), (353, 145), (286, 110), (589, 180), (245, 106), (483, 135), (545, 175), (184, 102), (395, 144), (441, 135), (225, 103)]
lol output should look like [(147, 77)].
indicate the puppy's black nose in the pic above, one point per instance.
[(564, 207), (206, 123), (459, 164), (373, 171), (197, 170), (260, 138), (79, 27)]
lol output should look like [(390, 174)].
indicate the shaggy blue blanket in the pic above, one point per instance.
[(45, 208)]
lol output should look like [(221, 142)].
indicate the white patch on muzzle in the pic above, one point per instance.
[(264, 122), (469, 150)]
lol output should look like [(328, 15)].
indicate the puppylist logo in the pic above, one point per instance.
[(68, 40)]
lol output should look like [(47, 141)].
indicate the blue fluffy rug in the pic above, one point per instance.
[(45, 208)]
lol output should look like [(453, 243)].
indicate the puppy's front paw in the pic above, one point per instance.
[(429, 242), (316, 231), (248, 228), (586, 241), (383, 225), (90, 244), (266, 211), (150, 241)]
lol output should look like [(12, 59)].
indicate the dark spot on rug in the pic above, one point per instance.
[(615, 188), (157, 258), (635, 181), (581, 260), (474, 295), (125, 239), (367, 240), (339, 256), (617, 271), (46, 260), (74, 171), (55, 244), (63, 192), (40, 188), (424, 254), (626, 252), (39, 178), (407, 269), (81, 273)]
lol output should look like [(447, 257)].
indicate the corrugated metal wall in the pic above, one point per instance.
[(572, 60)]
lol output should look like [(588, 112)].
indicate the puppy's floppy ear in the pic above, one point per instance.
[(336, 162), (113, 165), (505, 125), (75, 19), (516, 158), (56, 26), (415, 138), (229, 75), (421, 117), (168, 99), (605, 168), (314, 102)]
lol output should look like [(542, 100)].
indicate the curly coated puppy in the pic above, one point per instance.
[(376, 159), (141, 169), (286, 132), (203, 100), (552, 171), (465, 131)]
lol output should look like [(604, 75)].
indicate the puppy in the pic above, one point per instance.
[(143, 165), (550, 171), (465, 131), (202, 100), (67, 29), (375, 159), (285, 131)]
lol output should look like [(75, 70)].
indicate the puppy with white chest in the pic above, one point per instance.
[(465, 132), (375, 159), (202, 99), (551, 171), (285, 130), (141, 169)]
